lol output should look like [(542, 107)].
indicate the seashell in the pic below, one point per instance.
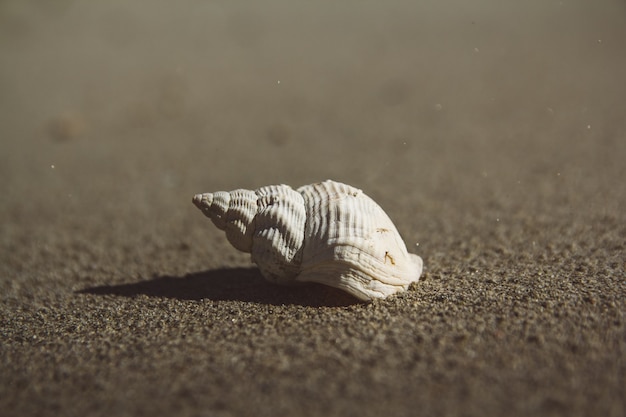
[(329, 232)]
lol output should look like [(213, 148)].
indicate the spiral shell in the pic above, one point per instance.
[(328, 232)]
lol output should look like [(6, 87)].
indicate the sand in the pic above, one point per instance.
[(493, 134)]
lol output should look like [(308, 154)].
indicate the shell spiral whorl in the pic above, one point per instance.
[(326, 232)]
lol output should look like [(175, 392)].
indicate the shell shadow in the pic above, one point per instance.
[(229, 284)]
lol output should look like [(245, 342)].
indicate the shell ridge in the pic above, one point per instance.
[(279, 235)]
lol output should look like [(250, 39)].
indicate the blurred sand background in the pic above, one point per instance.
[(492, 132)]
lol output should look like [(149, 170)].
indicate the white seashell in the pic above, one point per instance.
[(329, 232)]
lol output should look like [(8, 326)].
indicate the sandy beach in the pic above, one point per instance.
[(492, 133)]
